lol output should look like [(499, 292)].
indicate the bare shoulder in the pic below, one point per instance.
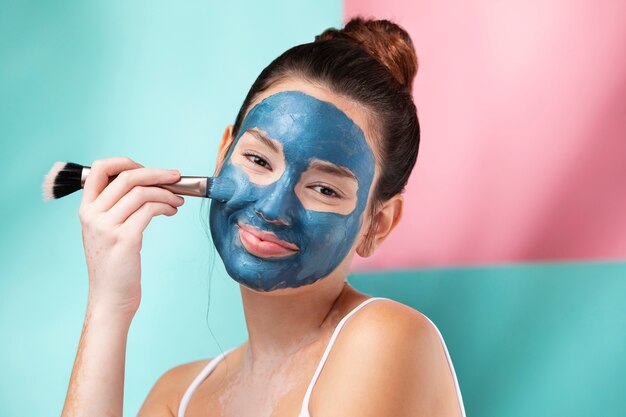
[(390, 316), (394, 352), (386, 329), (166, 393)]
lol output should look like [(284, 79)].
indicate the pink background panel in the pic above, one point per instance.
[(522, 107)]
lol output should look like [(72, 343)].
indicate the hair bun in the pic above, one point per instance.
[(389, 43)]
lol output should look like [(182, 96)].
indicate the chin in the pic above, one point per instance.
[(265, 282)]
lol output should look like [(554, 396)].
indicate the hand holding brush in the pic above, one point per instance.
[(67, 177), (120, 198)]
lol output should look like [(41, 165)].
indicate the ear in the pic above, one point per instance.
[(227, 141), (383, 222)]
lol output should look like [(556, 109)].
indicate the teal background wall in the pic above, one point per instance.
[(158, 81)]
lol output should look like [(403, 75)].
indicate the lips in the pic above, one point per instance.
[(264, 244)]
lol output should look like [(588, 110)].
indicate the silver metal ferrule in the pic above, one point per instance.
[(192, 186)]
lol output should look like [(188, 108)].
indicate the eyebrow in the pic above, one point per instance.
[(326, 167), (267, 141), (329, 168)]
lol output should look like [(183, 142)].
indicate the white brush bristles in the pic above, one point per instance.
[(48, 181)]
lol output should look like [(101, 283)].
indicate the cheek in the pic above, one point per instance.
[(330, 234), (245, 190)]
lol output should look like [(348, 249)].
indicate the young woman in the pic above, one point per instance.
[(319, 154)]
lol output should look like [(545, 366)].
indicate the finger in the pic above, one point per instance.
[(126, 180), (136, 197), (100, 172), (138, 221)]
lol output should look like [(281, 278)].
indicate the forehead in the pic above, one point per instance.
[(310, 128), (360, 115)]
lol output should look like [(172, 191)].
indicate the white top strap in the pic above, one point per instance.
[(304, 412), (198, 380), (456, 383)]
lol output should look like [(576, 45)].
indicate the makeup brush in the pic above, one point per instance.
[(66, 177)]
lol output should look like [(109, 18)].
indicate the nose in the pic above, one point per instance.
[(278, 205)]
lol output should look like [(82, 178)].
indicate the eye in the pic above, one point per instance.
[(257, 160), (326, 191)]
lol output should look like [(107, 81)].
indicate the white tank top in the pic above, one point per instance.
[(304, 411)]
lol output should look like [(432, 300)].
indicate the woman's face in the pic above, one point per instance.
[(303, 172)]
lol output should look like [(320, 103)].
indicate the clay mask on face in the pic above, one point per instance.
[(306, 133)]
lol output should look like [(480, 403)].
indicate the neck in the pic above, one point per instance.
[(284, 321)]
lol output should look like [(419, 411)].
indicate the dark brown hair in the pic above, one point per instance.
[(372, 63)]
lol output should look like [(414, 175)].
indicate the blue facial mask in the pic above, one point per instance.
[(308, 129)]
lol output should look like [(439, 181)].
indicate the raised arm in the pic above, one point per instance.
[(113, 217)]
